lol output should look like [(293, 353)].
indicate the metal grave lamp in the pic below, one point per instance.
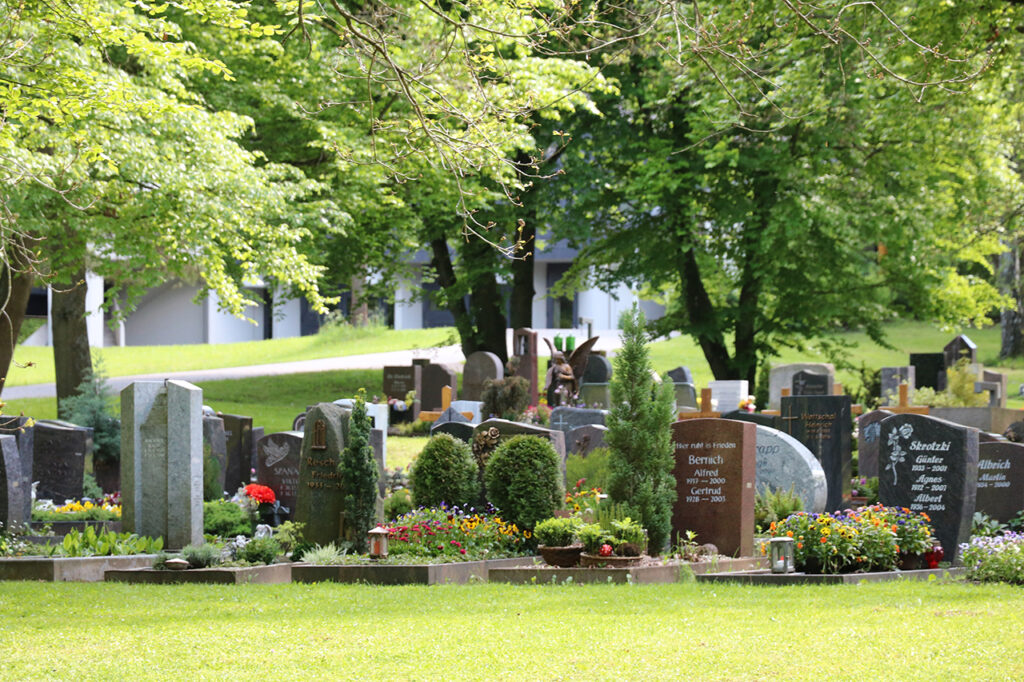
[(781, 555), (378, 541)]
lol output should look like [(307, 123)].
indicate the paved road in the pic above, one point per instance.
[(445, 355)]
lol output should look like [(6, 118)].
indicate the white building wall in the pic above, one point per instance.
[(408, 312), (287, 318), (94, 309), (223, 327), (539, 315), (167, 316)]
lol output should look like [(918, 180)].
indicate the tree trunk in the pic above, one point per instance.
[(521, 308), (486, 301), (701, 313), (1011, 319), (71, 357), (15, 288)]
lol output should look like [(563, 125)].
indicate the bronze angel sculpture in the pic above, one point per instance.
[(562, 383)]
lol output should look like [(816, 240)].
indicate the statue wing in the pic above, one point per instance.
[(578, 359), (551, 347)]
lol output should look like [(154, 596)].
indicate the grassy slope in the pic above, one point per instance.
[(904, 631)]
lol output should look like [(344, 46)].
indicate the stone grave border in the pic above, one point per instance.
[(669, 572), (406, 574), (272, 574), (89, 569), (766, 577)]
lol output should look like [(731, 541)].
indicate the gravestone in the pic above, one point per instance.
[(319, 502), (583, 439), (508, 428), (598, 370), (892, 377), (1000, 480), (770, 420), (524, 352), (929, 370), (993, 419), (379, 414), (822, 423), (436, 377), (809, 383), (461, 430), (239, 432), (277, 466), (986, 437), (686, 395), (257, 433), (59, 452), (565, 419), (474, 407), (781, 377), (162, 461), (727, 394), (23, 430), (931, 465), (215, 458), (596, 396), (869, 430), (451, 415), (377, 445), (784, 463), (399, 381), (715, 468), (681, 375), (999, 378), (13, 492), (958, 348), (480, 366)]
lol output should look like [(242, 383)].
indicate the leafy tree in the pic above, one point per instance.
[(639, 436), (359, 474)]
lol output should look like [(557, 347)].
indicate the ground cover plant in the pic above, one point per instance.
[(912, 631), (996, 558)]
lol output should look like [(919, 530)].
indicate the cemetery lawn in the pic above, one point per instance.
[(330, 342), (904, 631)]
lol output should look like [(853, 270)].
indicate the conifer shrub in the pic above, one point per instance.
[(524, 480), (444, 472), (639, 436), (359, 474)]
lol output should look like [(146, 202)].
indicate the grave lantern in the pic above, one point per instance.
[(781, 555), (378, 541)]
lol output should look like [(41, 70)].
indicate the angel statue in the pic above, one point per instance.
[(562, 383)]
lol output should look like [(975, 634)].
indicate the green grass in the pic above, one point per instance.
[(900, 631), (330, 342)]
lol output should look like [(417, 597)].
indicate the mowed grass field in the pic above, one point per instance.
[(893, 631)]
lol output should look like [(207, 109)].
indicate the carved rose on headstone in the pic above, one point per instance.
[(899, 455)]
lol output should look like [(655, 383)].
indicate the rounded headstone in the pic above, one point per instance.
[(784, 463)]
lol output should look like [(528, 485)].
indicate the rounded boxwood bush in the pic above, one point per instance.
[(524, 480), (444, 472), (226, 519)]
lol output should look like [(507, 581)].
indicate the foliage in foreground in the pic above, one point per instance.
[(456, 535), (998, 558), (524, 480)]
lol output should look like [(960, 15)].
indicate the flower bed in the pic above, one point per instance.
[(995, 559), (651, 570), (107, 509), (866, 539), (452, 535)]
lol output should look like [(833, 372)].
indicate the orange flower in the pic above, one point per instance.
[(799, 545), (789, 533), (824, 539)]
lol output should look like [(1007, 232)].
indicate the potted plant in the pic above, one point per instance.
[(622, 545), (557, 541)]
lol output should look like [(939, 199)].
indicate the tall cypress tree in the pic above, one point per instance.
[(359, 477), (639, 436)]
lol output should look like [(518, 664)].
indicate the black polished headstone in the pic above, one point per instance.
[(598, 370), (809, 383), (823, 423), (1000, 480), (770, 420), (930, 465), (460, 430), (961, 347), (869, 429), (929, 370), (681, 375), (59, 456), (452, 415), (239, 434)]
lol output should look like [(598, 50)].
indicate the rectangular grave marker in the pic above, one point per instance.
[(319, 500), (277, 465), (59, 453), (822, 424), (1000, 480)]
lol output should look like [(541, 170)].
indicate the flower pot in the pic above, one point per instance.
[(597, 561), (912, 562), (563, 557)]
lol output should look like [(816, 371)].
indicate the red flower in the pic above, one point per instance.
[(260, 493), (606, 550)]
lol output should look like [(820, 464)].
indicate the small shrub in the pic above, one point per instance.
[(592, 536), (959, 390), (628, 537), (225, 519), (983, 525), (506, 398), (416, 428), (260, 551), (445, 472), (592, 470), (397, 504), (555, 532), (328, 555), (201, 556), (90, 488), (771, 506), (524, 480), (289, 536), (88, 407)]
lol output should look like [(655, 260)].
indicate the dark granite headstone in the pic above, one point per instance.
[(681, 375), (770, 420), (715, 467), (823, 423), (686, 395), (524, 351), (596, 396), (436, 377), (277, 465), (868, 431), (319, 502), (598, 370), (215, 458), (809, 383), (451, 415), (23, 430), (12, 490), (508, 428), (480, 366), (583, 439), (257, 433), (398, 381), (565, 419), (238, 431), (1000, 480), (892, 377), (460, 430), (931, 465), (929, 370), (59, 456), (960, 347)]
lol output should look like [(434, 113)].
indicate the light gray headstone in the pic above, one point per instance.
[(12, 489), (23, 430), (686, 395), (480, 366), (783, 462), (782, 377), (565, 419), (162, 461), (728, 393), (892, 377), (474, 406), (581, 440)]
